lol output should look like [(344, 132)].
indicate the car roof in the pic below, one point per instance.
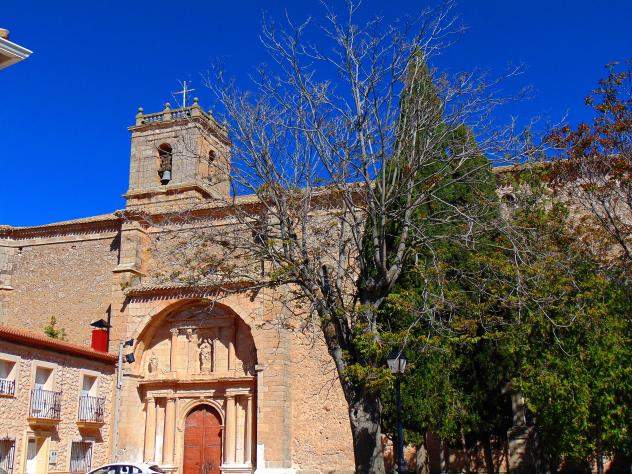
[(139, 465)]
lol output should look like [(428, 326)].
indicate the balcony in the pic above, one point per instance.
[(91, 410), (7, 388), (45, 408)]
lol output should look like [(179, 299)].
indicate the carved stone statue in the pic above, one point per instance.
[(152, 366), (206, 356)]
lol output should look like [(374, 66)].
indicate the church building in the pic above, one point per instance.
[(206, 386)]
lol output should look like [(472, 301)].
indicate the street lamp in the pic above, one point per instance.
[(130, 359), (397, 363)]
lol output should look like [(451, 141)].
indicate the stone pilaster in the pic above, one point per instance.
[(134, 244), (150, 429), (8, 257), (231, 347), (8, 262), (249, 423), (274, 399), (230, 429), (170, 431), (174, 350)]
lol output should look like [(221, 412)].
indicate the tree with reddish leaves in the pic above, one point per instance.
[(593, 170)]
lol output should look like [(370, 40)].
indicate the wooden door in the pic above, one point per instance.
[(202, 442)]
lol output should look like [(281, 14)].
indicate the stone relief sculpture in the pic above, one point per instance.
[(206, 356), (152, 366)]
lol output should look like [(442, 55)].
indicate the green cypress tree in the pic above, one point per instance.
[(454, 386)]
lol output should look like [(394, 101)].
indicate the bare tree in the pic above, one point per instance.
[(336, 150)]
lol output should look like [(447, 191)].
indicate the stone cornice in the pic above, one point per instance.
[(169, 189), (171, 379), (182, 290), (107, 222)]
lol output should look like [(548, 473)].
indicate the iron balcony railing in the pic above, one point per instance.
[(7, 387), (91, 409), (45, 404)]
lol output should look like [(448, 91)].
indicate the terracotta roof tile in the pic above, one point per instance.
[(33, 339)]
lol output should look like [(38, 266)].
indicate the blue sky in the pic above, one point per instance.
[(64, 111)]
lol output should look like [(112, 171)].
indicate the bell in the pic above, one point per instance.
[(166, 177)]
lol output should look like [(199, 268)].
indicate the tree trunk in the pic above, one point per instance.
[(365, 417), (599, 458), (444, 456), (466, 454), (423, 457), (489, 457)]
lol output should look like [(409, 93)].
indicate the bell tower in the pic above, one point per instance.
[(180, 158)]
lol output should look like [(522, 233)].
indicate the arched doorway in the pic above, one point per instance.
[(202, 441), (193, 354)]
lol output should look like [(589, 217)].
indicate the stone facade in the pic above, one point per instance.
[(71, 264), (274, 390), (54, 394)]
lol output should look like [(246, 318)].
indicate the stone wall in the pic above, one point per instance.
[(66, 276), (321, 437), (14, 411)]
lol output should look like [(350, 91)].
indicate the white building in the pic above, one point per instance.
[(11, 53)]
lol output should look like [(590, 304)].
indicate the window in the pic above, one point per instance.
[(32, 450), (43, 378), (45, 403), (119, 469), (91, 407), (7, 377), (80, 456), (89, 387), (7, 452), (129, 470), (105, 470), (165, 153)]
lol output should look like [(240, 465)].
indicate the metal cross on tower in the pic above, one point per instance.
[(184, 92)]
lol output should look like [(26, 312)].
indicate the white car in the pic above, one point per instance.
[(128, 468)]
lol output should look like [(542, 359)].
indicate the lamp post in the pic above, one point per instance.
[(397, 363), (129, 358)]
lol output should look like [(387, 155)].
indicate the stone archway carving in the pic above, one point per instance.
[(198, 354), (190, 405), (202, 338)]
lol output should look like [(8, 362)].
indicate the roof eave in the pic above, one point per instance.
[(13, 51)]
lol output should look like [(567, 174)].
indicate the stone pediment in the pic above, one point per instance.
[(200, 318)]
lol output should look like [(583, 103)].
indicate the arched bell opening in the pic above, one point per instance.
[(165, 163)]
